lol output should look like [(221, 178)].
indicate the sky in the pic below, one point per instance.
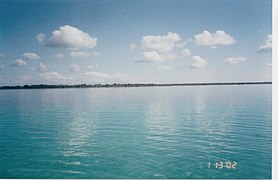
[(134, 41)]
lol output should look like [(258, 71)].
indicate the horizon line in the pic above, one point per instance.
[(110, 85)]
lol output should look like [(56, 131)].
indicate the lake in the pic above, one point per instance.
[(144, 132)]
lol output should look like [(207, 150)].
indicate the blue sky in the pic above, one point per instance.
[(127, 41)]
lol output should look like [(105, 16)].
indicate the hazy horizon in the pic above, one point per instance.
[(174, 84)]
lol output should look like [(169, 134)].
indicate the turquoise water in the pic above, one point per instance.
[(146, 132)]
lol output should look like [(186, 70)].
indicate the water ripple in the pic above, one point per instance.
[(136, 132)]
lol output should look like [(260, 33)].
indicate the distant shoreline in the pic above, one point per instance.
[(115, 85)]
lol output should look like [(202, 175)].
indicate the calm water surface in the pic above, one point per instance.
[(146, 132)]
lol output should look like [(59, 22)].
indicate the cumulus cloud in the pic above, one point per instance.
[(163, 67), (234, 60), (185, 52), (19, 62), (42, 67), (155, 57), (55, 76), (40, 37), (2, 55), (97, 75), (82, 54), (267, 47), (213, 39), (161, 43), (93, 67), (59, 56), (14, 80), (31, 55), (152, 56), (75, 67), (133, 46), (71, 37), (95, 53), (181, 45), (198, 62), (94, 76), (79, 54), (157, 48)]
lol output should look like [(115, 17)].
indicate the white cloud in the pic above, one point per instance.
[(155, 57), (97, 75), (59, 55), (19, 62), (2, 55), (159, 43), (164, 67), (269, 64), (181, 45), (93, 67), (213, 39), (75, 67), (133, 46), (234, 60), (152, 56), (82, 54), (42, 67), (40, 37), (94, 76), (159, 48), (198, 62), (185, 52), (95, 53), (79, 54), (13, 79), (1, 67), (267, 47), (54, 76), (31, 55), (71, 37)]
